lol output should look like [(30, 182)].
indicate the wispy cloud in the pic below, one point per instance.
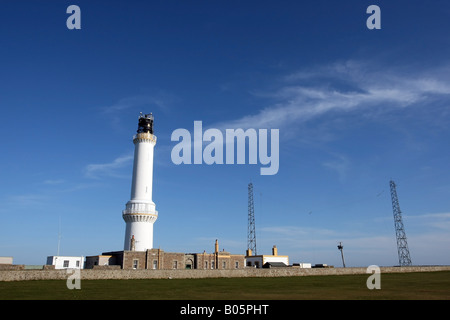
[(341, 87), (341, 165), (437, 221), (444, 215), (53, 181), (27, 199), (428, 244), (109, 169), (160, 101), (145, 103), (295, 231)]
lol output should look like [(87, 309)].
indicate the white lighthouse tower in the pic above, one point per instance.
[(140, 213)]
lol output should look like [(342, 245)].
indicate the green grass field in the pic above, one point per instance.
[(394, 286)]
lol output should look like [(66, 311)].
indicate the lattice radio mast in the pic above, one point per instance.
[(402, 245), (251, 234)]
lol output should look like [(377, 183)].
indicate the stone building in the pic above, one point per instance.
[(160, 259), (100, 260), (219, 259)]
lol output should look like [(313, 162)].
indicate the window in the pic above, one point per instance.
[(224, 265), (135, 263), (175, 264), (212, 264), (236, 264), (155, 264), (206, 264), (78, 263), (66, 264)]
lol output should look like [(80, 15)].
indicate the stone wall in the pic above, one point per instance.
[(107, 267), (93, 274), (12, 267)]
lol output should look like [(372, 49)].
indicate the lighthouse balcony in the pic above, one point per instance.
[(144, 207), (139, 216), (144, 136)]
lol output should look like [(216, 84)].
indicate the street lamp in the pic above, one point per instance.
[(341, 248)]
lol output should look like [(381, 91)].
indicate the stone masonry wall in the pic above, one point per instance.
[(92, 274)]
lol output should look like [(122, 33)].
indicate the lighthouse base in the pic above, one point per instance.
[(138, 232)]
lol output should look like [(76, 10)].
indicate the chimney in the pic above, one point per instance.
[(249, 252), (274, 251), (132, 243)]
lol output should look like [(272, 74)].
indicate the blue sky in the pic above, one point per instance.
[(355, 108)]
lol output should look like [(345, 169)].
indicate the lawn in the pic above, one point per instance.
[(394, 286)]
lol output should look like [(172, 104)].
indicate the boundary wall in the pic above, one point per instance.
[(95, 274)]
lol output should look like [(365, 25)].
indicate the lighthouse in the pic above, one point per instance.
[(140, 213)]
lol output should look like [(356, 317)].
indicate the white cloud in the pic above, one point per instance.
[(109, 169), (319, 245), (341, 165), (27, 200), (427, 245), (160, 100), (437, 221), (444, 215), (295, 231), (340, 87), (53, 181)]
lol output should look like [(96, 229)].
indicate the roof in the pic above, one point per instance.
[(274, 265)]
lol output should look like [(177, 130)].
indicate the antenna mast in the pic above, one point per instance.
[(251, 234), (402, 245), (59, 236)]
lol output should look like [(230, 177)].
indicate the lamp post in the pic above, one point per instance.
[(341, 248)]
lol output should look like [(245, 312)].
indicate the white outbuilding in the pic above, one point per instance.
[(66, 262), (6, 260), (258, 261)]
